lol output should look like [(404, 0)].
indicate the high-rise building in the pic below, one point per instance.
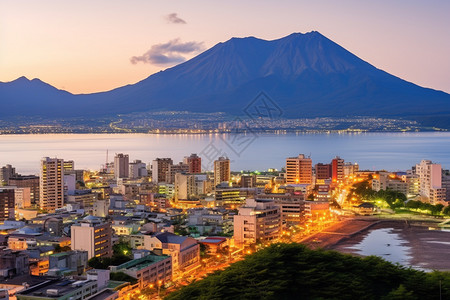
[(69, 165), (446, 184), (121, 168), (93, 236), (299, 170), (194, 162), (430, 175), (6, 173), (31, 182), (185, 187), (6, 204), (337, 170), (221, 170), (323, 171), (161, 169), (51, 184), (137, 169), (174, 169)]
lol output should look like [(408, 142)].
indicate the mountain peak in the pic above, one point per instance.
[(306, 74), (21, 79)]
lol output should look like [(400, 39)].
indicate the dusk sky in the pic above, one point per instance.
[(89, 46)]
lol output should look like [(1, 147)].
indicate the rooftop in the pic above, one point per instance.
[(141, 263), (55, 288), (105, 294)]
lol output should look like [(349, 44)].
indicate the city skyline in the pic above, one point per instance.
[(224, 150), (72, 47)]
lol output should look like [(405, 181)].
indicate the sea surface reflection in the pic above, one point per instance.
[(385, 243)]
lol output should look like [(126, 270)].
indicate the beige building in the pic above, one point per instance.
[(412, 183), (185, 251), (291, 207), (51, 184), (389, 181), (221, 170), (185, 187), (299, 170), (258, 221), (93, 236), (121, 168), (31, 182)]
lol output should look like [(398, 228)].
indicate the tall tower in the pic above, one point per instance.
[(337, 170), (299, 170), (430, 175), (221, 170), (121, 168), (161, 169), (6, 204), (51, 184), (195, 163)]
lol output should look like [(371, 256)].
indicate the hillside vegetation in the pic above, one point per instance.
[(293, 271)]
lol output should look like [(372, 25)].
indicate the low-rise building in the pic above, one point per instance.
[(70, 261), (185, 251), (13, 263), (259, 220), (209, 220), (149, 269), (60, 289)]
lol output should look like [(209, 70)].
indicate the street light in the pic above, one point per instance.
[(159, 288)]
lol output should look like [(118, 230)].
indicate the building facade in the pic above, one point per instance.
[(121, 162), (221, 170), (259, 220), (194, 162), (51, 184), (7, 204), (299, 170), (93, 236), (161, 169)]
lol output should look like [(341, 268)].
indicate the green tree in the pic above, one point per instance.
[(401, 293)]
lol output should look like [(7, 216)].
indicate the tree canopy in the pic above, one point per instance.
[(293, 271)]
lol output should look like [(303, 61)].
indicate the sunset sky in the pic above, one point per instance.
[(88, 46)]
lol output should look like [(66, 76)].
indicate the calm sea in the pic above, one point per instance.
[(390, 151)]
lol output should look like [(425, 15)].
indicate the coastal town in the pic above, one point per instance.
[(141, 230)]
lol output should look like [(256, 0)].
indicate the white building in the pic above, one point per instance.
[(258, 221), (137, 169), (430, 175)]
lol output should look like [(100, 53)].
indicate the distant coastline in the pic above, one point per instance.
[(208, 123)]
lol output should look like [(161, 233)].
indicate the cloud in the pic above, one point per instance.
[(174, 19), (172, 52)]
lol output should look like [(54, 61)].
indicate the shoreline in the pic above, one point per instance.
[(269, 132), (426, 247)]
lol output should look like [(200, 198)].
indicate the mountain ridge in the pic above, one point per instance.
[(307, 75)]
